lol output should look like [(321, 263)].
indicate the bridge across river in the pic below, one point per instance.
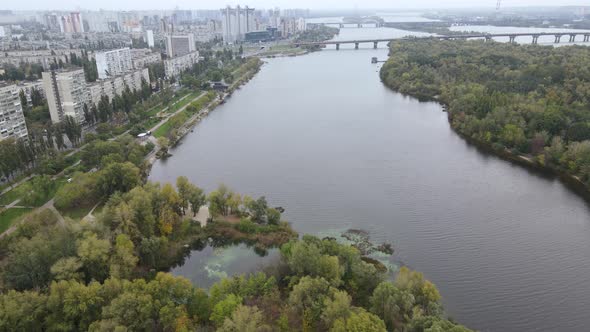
[(512, 37)]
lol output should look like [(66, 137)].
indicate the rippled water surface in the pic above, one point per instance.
[(321, 136)]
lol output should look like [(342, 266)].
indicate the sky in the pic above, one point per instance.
[(311, 4)]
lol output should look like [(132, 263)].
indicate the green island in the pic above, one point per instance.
[(527, 103)]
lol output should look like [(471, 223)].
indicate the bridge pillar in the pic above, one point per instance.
[(359, 25), (337, 47), (557, 39), (488, 39), (586, 38), (375, 45), (535, 39), (512, 39), (341, 25), (356, 46), (572, 38)]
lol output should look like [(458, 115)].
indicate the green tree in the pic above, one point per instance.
[(225, 308), (120, 177), (94, 254), (244, 319), (123, 261), (67, 269), (359, 322)]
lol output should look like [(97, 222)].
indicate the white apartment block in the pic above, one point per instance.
[(143, 61), (175, 66), (236, 23), (42, 57), (66, 93), (178, 45), (113, 63), (116, 85), (12, 118)]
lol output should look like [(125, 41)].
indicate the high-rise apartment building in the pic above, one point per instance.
[(68, 23), (178, 45), (12, 118), (66, 93), (236, 22), (113, 63), (149, 38)]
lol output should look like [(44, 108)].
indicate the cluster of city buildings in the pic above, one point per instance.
[(67, 90), (247, 24), (50, 38)]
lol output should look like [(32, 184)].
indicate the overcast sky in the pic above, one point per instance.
[(311, 4)]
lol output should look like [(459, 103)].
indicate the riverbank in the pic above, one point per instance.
[(571, 181), (514, 116), (250, 71)]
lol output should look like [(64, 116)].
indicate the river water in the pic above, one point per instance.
[(320, 135)]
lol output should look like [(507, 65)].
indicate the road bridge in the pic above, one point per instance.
[(343, 25), (512, 38)]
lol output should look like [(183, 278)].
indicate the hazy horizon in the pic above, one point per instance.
[(42, 5)]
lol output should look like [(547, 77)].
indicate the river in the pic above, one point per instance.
[(320, 135)]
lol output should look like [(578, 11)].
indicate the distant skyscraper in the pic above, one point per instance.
[(236, 23), (177, 45), (149, 38), (12, 119), (70, 23), (113, 63)]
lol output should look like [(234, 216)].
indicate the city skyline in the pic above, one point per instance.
[(40, 5)]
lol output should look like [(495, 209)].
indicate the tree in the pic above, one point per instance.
[(124, 260), (184, 189), (360, 321), (244, 319), (338, 307), (393, 305), (273, 216), (131, 310), (22, 311), (427, 297), (306, 259), (94, 254), (23, 98), (225, 308), (120, 177), (72, 130), (67, 269), (308, 299), (197, 199)]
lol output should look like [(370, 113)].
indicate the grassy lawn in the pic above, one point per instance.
[(162, 130), (17, 193), (175, 107), (149, 123), (10, 196), (155, 110), (8, 217)]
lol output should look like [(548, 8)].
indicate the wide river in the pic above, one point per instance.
[(321, 136)]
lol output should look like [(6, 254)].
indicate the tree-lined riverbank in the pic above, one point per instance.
[(526, 103)]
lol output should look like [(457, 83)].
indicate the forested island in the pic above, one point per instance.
[(527, 102), (108, 273)]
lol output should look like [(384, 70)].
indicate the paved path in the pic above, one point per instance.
[(9, 188), (49, 205), (159, 124)]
